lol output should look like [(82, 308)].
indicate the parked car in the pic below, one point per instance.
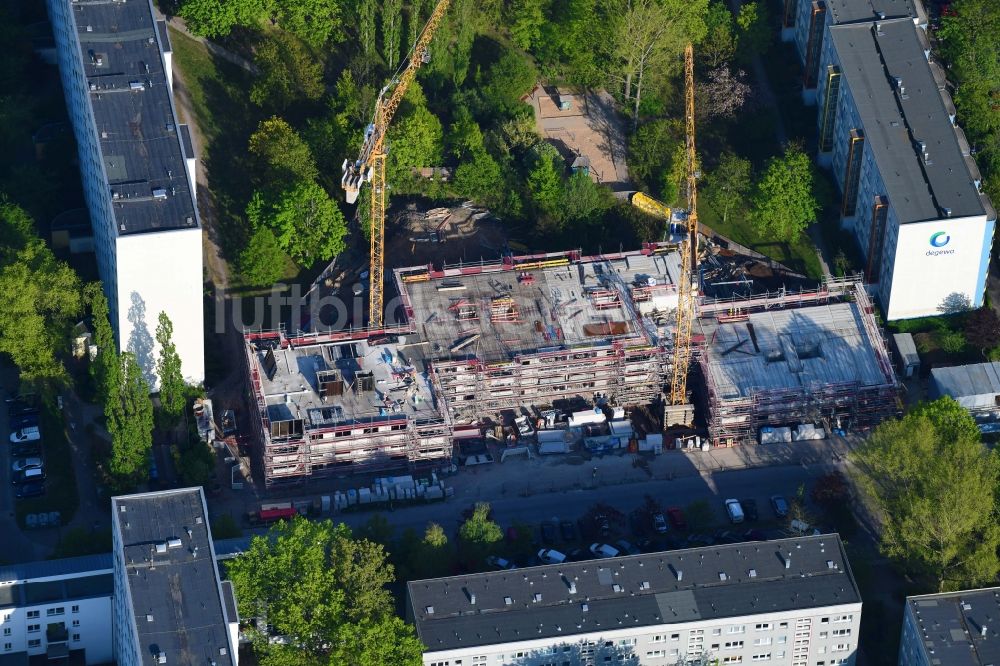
[(500, 562), (550, 556), (19, 406), (625, 547), (548, 531), (28, 475), (602, 524), (568, 530), (603, 550), (780, 506), (16, 422), (26, 450), (735, 511), (802, 528), (676, 517), (750, 509), (25, 463), (699, 540), (31, 489), (27, 434), (659, 523)]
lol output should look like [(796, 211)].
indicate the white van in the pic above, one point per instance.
[(735, 511), (550, 556), (28, 434)]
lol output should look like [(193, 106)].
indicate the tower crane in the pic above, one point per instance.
[(687, 288), (370, 165)]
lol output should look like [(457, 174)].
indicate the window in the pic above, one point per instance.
[(761, 657), (34, 615), (658, 638), (655, 654), (6, 617), (782, 625), (736, 629), (763, 626), (843, 618), (675, 637), (479, 660), (34, 642), (841, 647), (6, 631), (717, 632), (733, 645), (732, 660), (766, 640), (55, 611), (76, 638), (824, 620), (841, 632), (34, 628), (822, 634), (76, 623), (782, 640), (627, 642), (75, 609)]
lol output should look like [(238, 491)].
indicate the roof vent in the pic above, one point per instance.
[(680, 575), (149, 617), (174, 543), (644, 585), (429, 610), (197, 520), (830, 564), (161, 658), (881, 15), (222, 651), (723, 576), (753, 573), (572, 587), (584, 607), (788, 560), (616, 587), (508, 601), (536, 597), (161, 548), (136, 85), (982, 631), (121, 508), (946, 211), (966, 606), (160, 193)]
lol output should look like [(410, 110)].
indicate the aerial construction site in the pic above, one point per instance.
[(560, 345)]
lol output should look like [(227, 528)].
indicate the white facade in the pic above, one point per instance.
[(161, 272), (73, 617), (811, 636), (162, 269)]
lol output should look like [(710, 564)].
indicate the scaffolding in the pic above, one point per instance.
[(857, 404)]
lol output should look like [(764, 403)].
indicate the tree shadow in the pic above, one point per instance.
[(140, 340)]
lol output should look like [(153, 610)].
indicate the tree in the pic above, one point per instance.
[(306, 223), (392, 29), (106, 368), (648, 36), (982, 329), (40, 299), (434, 536), (262, 261), (168, 369), (730, 183), (367, 9), (281, 154), (524, 19), (315, 22), (510, 77), (584, 200), (651, 150), (480, 179), (754, 32), (324, 590), (783, 204), (934, 487), (464, 138), (288, 73), (129, 414), (545, 180), (217, 18), (719, 45), (723, 94), (479, 528), (415, 141), (970, 36)]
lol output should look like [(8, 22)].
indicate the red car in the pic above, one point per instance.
[(676, 517)]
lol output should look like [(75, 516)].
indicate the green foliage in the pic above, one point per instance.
[(465, 137), (545, 180), (585, 201), (306, 223), (934, 485), (392, 28), (699, 515), (315, 22), (79, 541), (415, 140), (730, 183), (224, 526), (651, 154), (753, 29), (261, 262), (480, 179), (282, 156), (566, 47), (129, 414), (952, 342), (982, 328), (719, 45), (479, 529), (325, 590), (510, 77), (434, 536), (217, 18), (168, 369), (40, 298), (525, 19), (367, 10), (783, 204), (288, 73), (194, 459), (106, 367)]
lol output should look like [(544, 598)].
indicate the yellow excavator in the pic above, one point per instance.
[(370, 164)]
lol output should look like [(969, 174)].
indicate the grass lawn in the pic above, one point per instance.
[(60, 483), (799, 255)]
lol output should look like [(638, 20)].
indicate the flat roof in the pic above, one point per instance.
[(581, 303), (848, 11), (68, 566), (959, 628), (898, 119), (398, 385), (790, 348), (563, 600), (974, 379), (173, 580), (134, 116)]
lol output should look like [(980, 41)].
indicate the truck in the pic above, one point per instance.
[(268, 514)]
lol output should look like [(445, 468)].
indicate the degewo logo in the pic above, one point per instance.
[(939, 239)]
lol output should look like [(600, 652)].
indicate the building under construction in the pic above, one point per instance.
[(475, 344), (813, 358)]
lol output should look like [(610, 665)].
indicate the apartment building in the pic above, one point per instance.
[(951, 629), (791, 602), (169, 602), (137, 171)]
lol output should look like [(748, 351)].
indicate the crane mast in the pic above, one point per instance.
[(370, 165), (687, 288)]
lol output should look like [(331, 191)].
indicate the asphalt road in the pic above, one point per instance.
[(759, 483)]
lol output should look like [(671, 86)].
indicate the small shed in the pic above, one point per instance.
[(975, 386), (906, 354), (565, 98), (580, 163)]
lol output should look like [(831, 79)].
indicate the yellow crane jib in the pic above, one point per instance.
[(651, 206), (370, 165)]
